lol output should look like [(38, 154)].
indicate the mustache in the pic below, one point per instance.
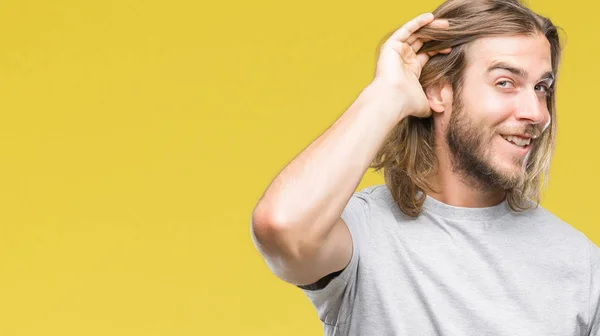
[(529, 130)]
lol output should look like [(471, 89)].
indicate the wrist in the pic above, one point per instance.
[(386, 99)]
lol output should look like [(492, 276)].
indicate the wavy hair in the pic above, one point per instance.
[(407, 155)]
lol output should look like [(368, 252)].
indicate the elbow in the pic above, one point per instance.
[(279, 240)]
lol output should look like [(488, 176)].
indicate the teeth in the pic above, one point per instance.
[(517, 141)]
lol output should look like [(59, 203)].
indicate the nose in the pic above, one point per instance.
[(533, 108)]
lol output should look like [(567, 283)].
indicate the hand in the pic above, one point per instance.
[(399, 66)]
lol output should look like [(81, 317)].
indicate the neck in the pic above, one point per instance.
[(457, 189)]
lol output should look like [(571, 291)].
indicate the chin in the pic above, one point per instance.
[(509, 173)]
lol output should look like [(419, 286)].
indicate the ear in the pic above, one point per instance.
[(439, 96)]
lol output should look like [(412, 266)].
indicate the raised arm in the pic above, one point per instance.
[(296, 224)]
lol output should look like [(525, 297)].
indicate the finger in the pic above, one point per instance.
[(411, 39), (411, 26), (439, 24), (416, 45), (423, 58)]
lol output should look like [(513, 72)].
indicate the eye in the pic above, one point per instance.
[(543, 88), (504, 84)]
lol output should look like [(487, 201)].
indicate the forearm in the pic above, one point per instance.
[(309, 194)]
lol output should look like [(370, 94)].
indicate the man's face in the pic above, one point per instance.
[(501, 110)]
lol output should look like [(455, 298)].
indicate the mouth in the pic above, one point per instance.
[(518, 141)]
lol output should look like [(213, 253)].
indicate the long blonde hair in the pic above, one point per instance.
[(407, 156)]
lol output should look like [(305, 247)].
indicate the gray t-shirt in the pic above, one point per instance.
[(460, 271)]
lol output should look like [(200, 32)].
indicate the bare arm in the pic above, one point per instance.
[(296, 225), (298, 217)]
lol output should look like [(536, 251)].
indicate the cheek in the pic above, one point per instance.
[(491, 109)]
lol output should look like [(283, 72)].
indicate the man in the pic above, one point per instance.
[(461, 117)]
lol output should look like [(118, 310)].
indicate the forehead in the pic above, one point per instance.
[(531, 53)]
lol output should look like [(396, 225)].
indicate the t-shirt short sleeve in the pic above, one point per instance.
[(333, 301), (594, 302)]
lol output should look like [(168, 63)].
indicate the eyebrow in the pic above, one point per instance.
[(549, 75)]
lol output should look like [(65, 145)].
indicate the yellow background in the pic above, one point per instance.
[(136, 137)]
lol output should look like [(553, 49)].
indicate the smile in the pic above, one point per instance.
[(517, 141)]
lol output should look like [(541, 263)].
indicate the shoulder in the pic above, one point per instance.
[(374, 194), (358, 211), (373, 190), (543, 216), (551, 226)]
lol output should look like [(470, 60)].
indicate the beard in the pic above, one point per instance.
[(470, 155)]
